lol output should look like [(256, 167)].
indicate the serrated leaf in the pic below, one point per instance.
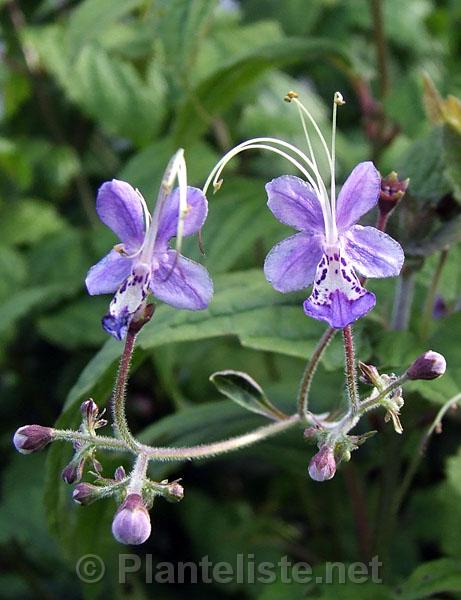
[(243, 389), (111, 91)]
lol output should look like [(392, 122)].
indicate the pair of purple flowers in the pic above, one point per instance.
[(326, 251)]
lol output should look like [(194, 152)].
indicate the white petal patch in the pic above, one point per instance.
[(335, 273), (127, 300)]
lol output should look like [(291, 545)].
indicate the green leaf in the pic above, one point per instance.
[(424, 164), (434, 577), (92, 17), (217, 92), (453, 469), (25, 301), (112, 92), (28, 221), (77, 325), (243, 389)]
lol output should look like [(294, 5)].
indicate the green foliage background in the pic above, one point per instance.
[(96, 89)]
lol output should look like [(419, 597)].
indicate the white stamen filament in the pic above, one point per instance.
[(328, 205), (257, 143)]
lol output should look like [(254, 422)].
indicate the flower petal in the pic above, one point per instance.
[(340, 310), (120, 208), (127, 300), (337, 296), (197, 206), (107, 275), (292, 263), (372, 252), (181, 282), (358, 195), (294, 203)]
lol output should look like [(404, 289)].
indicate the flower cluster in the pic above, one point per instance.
[(327, 250)]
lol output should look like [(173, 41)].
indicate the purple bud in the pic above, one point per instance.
[(89, 409), (73, 471), (323, 464), (119, 474), (32, 438), (131, 524), (85, 493), (392, 191), (429, 365)]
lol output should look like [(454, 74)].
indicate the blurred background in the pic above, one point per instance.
[(96, 89)]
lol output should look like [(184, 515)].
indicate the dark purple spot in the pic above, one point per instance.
[(343, 261)]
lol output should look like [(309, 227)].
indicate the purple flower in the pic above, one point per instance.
[(131, 524), (327, 255), (329, 245), (144, 261)]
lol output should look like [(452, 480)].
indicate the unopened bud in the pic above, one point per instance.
[(89, 409), (429, 365), (392, 191), (32, 438), (368, 374), (73, 472), (85, 493), (175, 492), (119, 474), (323, 464), (131, 524)]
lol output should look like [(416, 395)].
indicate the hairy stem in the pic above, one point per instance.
[(118, 400), (100, 441), (351, 370), (311, 368), (373, 401), (138, 474), (221, 447)]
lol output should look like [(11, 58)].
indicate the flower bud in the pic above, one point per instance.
[(323, 464), (369, 374), (175, 492), (119, 474), (392, 191), (89, 409), (131, 524), (85, 493), (32, 438), (73, 471), (429, 365)]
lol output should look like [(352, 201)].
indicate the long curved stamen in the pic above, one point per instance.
[(261, 143)]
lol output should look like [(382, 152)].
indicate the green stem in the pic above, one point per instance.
[(221, 447), (311, 368), (138, 474), (351, 370), (118, 400), (418, 455), (100, 441), (430, 298)]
